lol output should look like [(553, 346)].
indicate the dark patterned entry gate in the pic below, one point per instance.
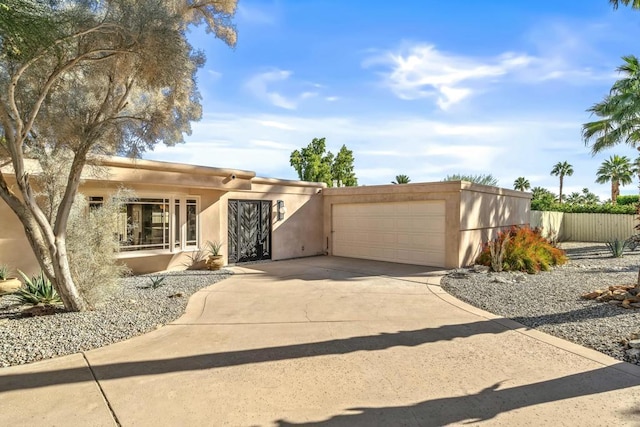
[(249, 230)]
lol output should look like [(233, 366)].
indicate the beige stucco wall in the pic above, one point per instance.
[(486, 210), (15, 251), (473, 212), (449, 192), (299, 234), (146, 262)]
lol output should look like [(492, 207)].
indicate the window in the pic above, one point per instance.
[(192, 223), (144, 224), (157, 224)]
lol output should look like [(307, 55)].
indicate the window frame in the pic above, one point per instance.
[(174, 201)]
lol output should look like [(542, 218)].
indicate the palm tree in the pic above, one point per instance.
[(401, 179), (617, 170), (589, 198), (634, 3), (484, 179), (521, 183), (562, 169), (574, 198), (619, 112)]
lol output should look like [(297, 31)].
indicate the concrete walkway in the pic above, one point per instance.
[(327, 341)]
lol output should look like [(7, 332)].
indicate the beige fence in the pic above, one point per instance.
[(584, 227)]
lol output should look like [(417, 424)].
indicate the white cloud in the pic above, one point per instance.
[(262, 86), (259, 86), (331, 98), (274, 124), (213, 74), (427, 150), (255, 14), (423, 71), (272, 144)]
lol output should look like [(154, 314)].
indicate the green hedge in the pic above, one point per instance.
[(604, 209), (627, 200)]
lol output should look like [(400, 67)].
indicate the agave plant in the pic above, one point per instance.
[(213, 248), (616, 247), (4, 272), (38, 290)]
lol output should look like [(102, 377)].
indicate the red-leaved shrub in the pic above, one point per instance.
[(525, 249)]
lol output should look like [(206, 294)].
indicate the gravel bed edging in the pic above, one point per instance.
[(550, 301), (134, 310)]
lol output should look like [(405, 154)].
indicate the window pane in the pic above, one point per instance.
[(176, 216), (147, 225), (192, 224)]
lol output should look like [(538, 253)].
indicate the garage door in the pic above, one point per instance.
[(405, 232)]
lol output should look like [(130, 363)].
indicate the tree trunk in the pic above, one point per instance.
[(615, 190), (560, 196), (65, 286)]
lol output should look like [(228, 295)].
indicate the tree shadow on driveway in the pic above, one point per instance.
[(492, 401), (382, 341)]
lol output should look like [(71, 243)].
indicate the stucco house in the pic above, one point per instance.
[(179, 207)]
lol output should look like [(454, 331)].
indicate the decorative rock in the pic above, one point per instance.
[(499, 279), (591, 295), (614, 302), (634, 352), (521, 279), (477, 268), (459, 274), (635, 304), (634, 343), (128, 312)]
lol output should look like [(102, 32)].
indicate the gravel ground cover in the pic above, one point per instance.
[(550, 301), (135, 309)]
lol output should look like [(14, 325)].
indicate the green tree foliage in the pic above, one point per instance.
[(484, 179), (618, 113), (401, 179), (90, 77), (633, 3), (628, 200), (585, 197), (617, 170), (543, 199), (313, 163), (606, 208), (342, 168), (521, 184), (562, 169)]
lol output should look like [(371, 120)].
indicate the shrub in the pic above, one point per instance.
[(156, 282), (93, 247), (213, 248), (4, 272), (524, 250), (567, 208), (628, 200), (37, 290), (616, 247)]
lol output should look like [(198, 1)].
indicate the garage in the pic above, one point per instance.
[(411, 232)]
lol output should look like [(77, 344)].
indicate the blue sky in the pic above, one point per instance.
[(423, 88)]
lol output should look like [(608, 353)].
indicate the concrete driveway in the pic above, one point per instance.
[(327, 341)]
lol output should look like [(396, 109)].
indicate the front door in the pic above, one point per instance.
[(249, 230)]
